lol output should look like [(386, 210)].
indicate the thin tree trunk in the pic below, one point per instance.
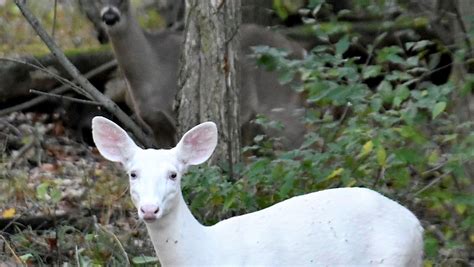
[(208, 73)]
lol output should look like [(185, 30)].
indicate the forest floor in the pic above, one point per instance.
[(59, 198)]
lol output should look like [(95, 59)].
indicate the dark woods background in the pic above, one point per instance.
[(388, 105)]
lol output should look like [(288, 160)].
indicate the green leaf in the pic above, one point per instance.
[(449, 137), (55, 194), (334, 173), (385, 90), (413, 61), (310, 139), (367, 148), (434, 60), (381, 156), (438, 109), (401, 92), (280, 9), (90, 237), (431, 246), (417, 46), (396, 59), (376, 104), (229, 200), (144, 260), (286, 188), (412, 133), (26, 257), (342, 45), (433, 158), (371, 71), (407, 155), (42, 191), (314, 3)]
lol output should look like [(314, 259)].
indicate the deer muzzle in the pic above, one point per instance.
[(149, 212), (110, 15)]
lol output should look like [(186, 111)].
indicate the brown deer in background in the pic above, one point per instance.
[(150, 65)]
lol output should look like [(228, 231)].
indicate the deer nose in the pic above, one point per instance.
[(110, 17), (149, 212)]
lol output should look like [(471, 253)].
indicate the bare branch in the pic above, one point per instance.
[(463, 27), (73, 99), (50, 73), (83, 82), (59, 90), (55, 14)]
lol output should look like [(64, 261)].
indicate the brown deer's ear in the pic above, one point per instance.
[(112, 141), (197, 144)]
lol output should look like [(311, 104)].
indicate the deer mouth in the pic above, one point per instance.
[(150, 219)]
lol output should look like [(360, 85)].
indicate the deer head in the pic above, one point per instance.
[(113, 12), (155, 174)]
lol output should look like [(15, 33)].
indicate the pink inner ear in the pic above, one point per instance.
[(192, 139), (198, 138), (111, 134), (111, 141), (198, 144)]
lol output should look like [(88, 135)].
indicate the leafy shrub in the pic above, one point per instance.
[(398, 135)]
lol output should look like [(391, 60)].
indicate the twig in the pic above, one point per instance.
[(83, 82), (431, 184), (122, 250), (73, 99), (11, 222), (23, 150), (76, 255), (12, 251), (12, 127), (37, 143), (380, 176), (55, 14), (344, 114), (45, 70), (59, 90), (435, 168)]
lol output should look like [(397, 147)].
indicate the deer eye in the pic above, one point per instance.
[(173, 176), (133, 175)]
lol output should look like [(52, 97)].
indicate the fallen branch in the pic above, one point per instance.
[(42, 222), (96, 95)]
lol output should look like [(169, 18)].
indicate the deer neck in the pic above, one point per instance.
[(134, 51), (178, 237)]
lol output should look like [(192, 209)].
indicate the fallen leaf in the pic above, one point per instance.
[(335, 173), (9, 213), (48, 167), (58, 129), (366, 148)]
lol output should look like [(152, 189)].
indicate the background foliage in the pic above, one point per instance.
[(379, 122)]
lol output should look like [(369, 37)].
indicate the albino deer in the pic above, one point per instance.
[(150, 65), (335, 227)]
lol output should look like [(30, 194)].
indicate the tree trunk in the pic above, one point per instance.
[(208, 74)]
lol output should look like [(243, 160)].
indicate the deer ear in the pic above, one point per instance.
[(197, 144), (112, 141)]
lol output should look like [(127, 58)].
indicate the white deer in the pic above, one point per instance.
[(335, 227)]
